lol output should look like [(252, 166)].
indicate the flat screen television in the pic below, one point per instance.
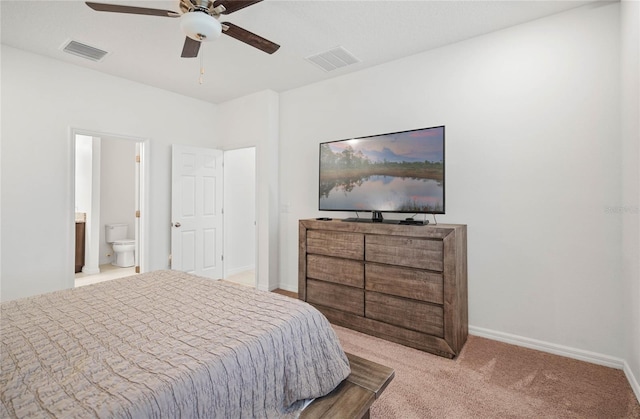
[(400, 172)]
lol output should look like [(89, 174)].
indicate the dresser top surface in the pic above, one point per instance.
[(437, 231)]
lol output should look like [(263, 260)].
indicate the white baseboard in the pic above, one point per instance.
[(90, 271), (633, 381), (552, 348)]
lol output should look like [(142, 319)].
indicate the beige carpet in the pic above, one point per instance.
[(491, 379)]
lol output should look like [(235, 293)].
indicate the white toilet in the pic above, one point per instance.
[(123, 247)]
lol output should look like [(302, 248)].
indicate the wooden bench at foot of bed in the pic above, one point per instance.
[(355, 395)]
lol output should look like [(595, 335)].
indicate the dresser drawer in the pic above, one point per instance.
[(404, 282), (336, 296), (410, 314), (341, 271), (336, 243), (405, 251)]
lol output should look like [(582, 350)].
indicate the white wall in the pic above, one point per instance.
[(239, 210), (630, 203), (249, 121), (534, 146), (42, 99), (83, 173), (533, 164), (117, 190)]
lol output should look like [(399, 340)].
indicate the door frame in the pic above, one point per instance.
[(255, 210), (145, 178)]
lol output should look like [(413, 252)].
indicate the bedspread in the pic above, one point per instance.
[(164, 344)]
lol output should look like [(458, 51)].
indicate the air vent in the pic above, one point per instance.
[(84, 51), (333, 59)]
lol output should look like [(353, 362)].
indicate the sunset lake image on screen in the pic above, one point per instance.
[(399, 172)]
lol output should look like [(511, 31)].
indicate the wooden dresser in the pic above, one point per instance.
[(403, 283)]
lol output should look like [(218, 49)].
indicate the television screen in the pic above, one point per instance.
[(397, 172)]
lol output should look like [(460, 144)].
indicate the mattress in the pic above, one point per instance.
[(164, 344)]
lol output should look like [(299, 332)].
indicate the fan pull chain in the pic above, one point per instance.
[(201, 79)]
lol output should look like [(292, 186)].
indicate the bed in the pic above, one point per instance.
[(165, 344)]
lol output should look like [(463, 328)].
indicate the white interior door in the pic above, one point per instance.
[(196, 211)]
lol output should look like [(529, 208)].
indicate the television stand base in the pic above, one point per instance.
[(370, 220), (396, 222), (414, 222)]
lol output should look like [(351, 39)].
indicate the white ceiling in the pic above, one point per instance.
[(147, 48)]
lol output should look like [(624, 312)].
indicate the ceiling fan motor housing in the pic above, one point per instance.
[(200, 26), (199, 21)]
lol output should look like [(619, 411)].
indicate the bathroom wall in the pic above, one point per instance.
[(117, 189)]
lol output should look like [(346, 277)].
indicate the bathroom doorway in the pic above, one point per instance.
[(109, 185)]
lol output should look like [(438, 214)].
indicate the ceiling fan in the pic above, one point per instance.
[(199, 20)]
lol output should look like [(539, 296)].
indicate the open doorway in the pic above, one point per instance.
[(109, 187), (240, 216)]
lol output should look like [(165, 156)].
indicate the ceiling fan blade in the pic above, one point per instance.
[(249, 38), (190, 48), (103, 7), (234, 5)]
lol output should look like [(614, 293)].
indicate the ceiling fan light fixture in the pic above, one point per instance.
[(200, 26)]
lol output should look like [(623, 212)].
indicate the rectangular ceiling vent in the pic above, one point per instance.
[(333, 59), (84, 51)]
